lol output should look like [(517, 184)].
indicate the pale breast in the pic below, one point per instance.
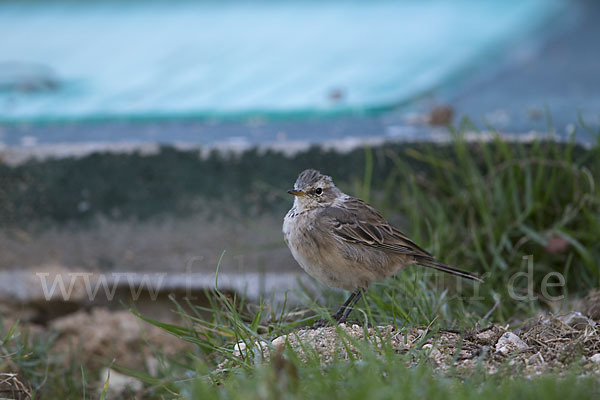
[(305, 249), (323, 256)]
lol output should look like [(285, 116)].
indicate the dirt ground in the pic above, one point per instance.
[(546, 343)]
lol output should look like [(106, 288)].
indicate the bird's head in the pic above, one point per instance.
[(313, 189)]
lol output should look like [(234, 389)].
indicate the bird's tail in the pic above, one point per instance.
[(440, 266)]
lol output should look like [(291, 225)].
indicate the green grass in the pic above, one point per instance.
[(490, 204), (384, 379), (480, 205), (216, 371), (44, 373)]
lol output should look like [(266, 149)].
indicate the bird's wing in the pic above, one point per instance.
[(358, 222)]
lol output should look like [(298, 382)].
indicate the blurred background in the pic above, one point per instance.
[(151, 142), (80, 76), (151, 136)]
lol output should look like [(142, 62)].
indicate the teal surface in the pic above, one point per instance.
[(226, 58)]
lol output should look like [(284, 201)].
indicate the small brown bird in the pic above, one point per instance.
[(345, 243)]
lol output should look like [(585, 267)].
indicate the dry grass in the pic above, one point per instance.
[(11, 387)]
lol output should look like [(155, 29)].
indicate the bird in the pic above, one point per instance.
[(346, 243)]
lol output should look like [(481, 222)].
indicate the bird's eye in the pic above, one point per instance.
[(319, 191)]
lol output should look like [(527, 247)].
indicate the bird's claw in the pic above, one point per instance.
[(322, 322)]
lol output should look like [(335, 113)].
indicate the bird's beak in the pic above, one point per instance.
[(298, 193)]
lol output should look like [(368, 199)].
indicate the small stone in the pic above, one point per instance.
[(595, 358), (487, 337), (398, 337), (152, 365), (118, 383), (239, 348), (510, 343), (577, 320), (258, 349), (279, 341), (434, 353), (398, 341), (536, 359)]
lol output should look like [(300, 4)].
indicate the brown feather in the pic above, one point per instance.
[(344, 242), (359, 223)]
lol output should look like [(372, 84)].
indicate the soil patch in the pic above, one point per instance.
[(547, 343)]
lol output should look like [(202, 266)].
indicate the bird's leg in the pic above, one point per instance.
[(336, 317), (348, 306), (342, 313)]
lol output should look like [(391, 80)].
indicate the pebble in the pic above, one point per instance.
[(118, 383), (279, 341), (577, 320), (434, 354), (487, 337), (259, 349), (536, 359), (510, 343), (239, 348)]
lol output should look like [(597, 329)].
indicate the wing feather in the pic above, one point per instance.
[(357, 222)]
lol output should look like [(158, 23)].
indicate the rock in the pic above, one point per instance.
[(577, 320), (279, 341), (152, 365), (595, 358), (536, 359), (118, 383), (489, 336), (510, 343), (239, 348), (434, 354), (258, 350)]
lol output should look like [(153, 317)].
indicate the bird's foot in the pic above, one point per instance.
[(335, 318), (320, 323)]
